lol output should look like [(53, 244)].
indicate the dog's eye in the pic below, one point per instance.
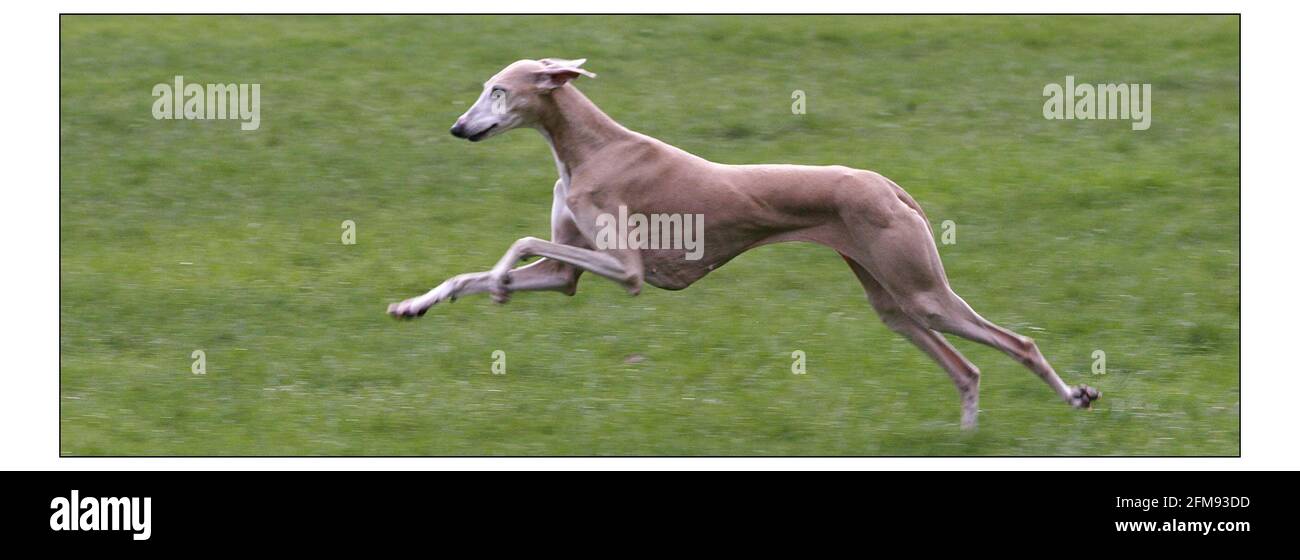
[(498, 94)]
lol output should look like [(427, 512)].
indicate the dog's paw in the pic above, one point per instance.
[(1083, 396), (409, 309)]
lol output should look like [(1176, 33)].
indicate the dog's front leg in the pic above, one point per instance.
[(543, 275), (623, 267)]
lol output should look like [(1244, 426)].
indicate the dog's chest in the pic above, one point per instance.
[(560, 167)]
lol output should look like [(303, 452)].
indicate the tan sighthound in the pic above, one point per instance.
[(877, 227)]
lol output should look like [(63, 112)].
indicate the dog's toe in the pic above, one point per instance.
[(406, 309), (1092, 393), (1083, 396)]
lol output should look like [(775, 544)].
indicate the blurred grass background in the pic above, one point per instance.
[(184, 235)]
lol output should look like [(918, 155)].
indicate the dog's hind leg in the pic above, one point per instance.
[(902, 257), (964, 374), (945, 311)]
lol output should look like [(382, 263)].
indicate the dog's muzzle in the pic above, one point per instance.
[(459, 131)]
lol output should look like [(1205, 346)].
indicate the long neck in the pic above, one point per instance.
[(576, 128)]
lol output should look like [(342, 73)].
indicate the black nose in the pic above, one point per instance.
[(458, 130)]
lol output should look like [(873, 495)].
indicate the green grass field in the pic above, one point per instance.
[(178, 236)]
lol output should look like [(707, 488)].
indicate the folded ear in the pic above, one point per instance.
[(556, 72)]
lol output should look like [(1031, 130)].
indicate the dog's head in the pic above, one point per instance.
[(514, 97)]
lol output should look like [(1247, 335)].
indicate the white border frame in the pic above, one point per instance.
[(29, 359)]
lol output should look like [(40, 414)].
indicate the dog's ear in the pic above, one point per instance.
[(556, 72)]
